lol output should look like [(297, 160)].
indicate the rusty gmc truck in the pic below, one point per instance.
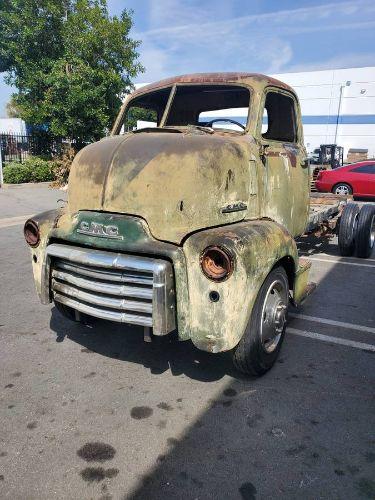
[(190, 223)]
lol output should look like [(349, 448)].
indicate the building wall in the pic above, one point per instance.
[(349, 123), (12, 126)]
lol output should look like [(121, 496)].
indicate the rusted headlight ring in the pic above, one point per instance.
[(32, 233), (216, 263)]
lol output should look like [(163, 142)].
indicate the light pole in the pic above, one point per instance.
[(347, 84)]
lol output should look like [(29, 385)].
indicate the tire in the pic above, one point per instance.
[(365, 234), (347, 229), (342, 188), (254, 354)]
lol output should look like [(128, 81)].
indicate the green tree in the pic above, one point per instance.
[(12, 109), (135, 113), (70, 61)]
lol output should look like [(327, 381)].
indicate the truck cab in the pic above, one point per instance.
[(189, 224)]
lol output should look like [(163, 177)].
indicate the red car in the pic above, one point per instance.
[(357, 179)]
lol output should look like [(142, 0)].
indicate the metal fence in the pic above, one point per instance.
[(18, 147)]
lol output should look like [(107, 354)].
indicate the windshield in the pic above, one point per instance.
[(215, 106)]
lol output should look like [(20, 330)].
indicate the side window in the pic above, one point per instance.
[(364, 169), (280, 118), (264, 122)]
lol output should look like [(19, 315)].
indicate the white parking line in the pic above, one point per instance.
[(335, 258), (332, 322), (313, 259), (334, 340), (14, 221)]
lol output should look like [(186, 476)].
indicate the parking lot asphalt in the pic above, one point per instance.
[(97, 413)]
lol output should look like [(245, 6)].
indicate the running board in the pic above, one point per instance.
[(302, 287)]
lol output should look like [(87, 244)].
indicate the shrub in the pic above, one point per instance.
[(61, 166), (16, 173), (41, 170), (34, 169)]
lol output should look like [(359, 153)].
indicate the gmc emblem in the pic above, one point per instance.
[(99, 230)]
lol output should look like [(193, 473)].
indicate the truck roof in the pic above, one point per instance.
[(253, 79)]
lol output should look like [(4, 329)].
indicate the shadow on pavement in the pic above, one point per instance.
[(302, 431), (294, 434), (311, 244), (126, 343)]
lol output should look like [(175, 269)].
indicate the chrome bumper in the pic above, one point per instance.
[(118, 287)]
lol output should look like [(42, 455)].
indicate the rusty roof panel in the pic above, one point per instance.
[(245, 78)]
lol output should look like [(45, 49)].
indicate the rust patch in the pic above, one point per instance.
[(225, 77), (216, 263), (292, 158), (230, 177)]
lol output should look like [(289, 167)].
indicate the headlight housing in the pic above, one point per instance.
[(32, 233), (216, 263)]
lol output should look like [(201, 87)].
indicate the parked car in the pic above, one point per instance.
[(357, 179), (314, 157)]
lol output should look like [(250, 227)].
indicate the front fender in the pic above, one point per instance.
[(256, 247), (46, 222)]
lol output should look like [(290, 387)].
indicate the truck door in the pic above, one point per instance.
[(285, 168)]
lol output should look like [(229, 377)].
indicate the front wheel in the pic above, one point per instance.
[(260, 345), (342, 189)]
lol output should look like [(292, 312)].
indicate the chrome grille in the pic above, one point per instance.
[(113, 286)]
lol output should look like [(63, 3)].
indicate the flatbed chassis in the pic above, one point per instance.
[(325, 210), (355, 226)]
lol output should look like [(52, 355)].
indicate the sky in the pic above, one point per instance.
[(273, 36)]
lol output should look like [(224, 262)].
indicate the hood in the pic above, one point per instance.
[(178, 182)]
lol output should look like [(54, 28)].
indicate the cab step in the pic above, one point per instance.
[(302, 287)]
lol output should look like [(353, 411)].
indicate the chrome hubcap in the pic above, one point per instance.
[(372, 232), (342, 190), (273, 316)]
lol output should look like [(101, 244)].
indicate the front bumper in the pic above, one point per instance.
[(114, 286)]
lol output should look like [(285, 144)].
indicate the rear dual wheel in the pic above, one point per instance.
[(365, 233), (347, 229), (356, 234)]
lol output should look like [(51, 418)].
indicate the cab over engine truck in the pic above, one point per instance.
[(190, 225)]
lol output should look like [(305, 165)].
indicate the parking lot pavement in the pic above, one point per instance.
[(22, 200), (97, 413)]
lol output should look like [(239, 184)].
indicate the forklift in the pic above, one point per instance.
[(331, 156)]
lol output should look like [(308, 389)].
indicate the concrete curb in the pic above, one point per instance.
[(28, 184)]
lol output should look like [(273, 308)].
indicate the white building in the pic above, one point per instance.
[(338, 107), (12, 126)]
